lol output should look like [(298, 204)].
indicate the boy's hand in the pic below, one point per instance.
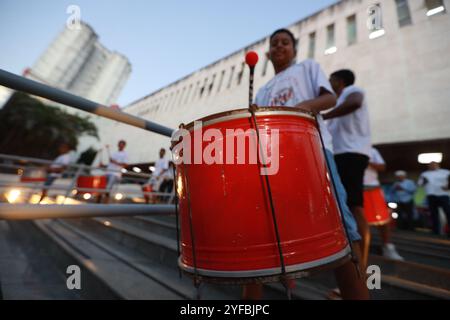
[(253, 108), (305, 107)]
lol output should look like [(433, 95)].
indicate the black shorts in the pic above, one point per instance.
[(351, 167)]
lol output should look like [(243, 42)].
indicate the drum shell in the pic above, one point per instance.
[(232, 226), (376, 210), (91, 182), (33, 174)]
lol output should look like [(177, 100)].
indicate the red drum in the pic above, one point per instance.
[(227, 205), (33, 174), (91, 182), (375, 209), (148, 198)]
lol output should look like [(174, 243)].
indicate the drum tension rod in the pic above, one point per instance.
[(177, 218), (197, 279), (284, 279)]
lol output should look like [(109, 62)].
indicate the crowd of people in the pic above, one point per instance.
[(161, 179)]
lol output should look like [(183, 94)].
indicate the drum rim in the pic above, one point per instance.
[(270, 272), (245, 113)]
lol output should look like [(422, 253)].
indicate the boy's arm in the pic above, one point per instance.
[(324, 101), (353, 102), (377, 166)]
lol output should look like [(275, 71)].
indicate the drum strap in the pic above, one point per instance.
[(272, 207)]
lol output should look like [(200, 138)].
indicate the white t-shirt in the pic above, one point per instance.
[(351, 133), (437, 180), (371, 175), (299, 82), (114, 169), (160, 165), (60, 161)]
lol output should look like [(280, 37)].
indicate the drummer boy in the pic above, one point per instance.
[(309, 90)]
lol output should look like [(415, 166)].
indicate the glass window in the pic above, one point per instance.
[(351, 30), (403, 13), (434, 7), (312, 45)]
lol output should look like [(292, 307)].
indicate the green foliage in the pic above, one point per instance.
[(31, 128)]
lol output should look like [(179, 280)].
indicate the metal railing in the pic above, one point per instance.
[(72, 172), (35, 211)]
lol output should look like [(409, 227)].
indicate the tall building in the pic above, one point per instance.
[(398, 49), (77, 62)]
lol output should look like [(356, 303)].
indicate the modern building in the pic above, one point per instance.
[(77, 62)]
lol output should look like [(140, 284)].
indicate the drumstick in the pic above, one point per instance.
[(251, 59)]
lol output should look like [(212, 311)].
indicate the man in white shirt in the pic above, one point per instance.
[(349, 126), (437, 184), (377, 164), (161, 168), (55, 170), (117, 161)]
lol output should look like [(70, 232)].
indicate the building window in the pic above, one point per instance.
[(404, 15), (203, 88), (231, 77), (312, 45), (266, 62), (222, 76), (331, 45), (351, 30), (211, 85), (375, 22), (434, 7), (241, 74)]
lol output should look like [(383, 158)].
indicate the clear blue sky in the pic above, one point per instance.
[(164, 40)]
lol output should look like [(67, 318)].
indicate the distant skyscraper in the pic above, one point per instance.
[(75, 61)]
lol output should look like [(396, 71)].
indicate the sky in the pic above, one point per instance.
[(163, 40)]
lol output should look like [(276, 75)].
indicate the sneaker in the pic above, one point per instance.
[(390, 252)]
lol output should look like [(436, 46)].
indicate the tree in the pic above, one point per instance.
[(30, 128)]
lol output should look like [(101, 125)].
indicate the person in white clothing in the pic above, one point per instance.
[(161, 168), (55, 170), (437, 184), (376, 165), (117, 161), (304, 86), (349, 126)]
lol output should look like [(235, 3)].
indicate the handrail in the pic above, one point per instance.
[(51, 211), (16, 82)]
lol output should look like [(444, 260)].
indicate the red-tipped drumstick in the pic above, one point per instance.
[(251, 58)]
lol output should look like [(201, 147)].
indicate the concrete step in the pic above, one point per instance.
[(162, 250), (426, 250), (307, 288), (120, 276), (27, 271)]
